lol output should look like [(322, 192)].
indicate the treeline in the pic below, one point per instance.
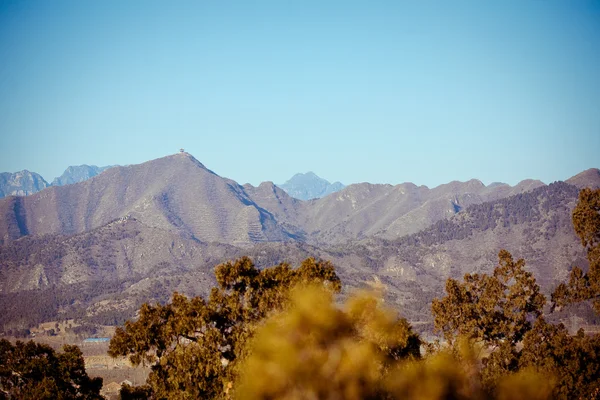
[(26, 309), (277, 333)]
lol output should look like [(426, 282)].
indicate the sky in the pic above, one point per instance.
[(372, 91)]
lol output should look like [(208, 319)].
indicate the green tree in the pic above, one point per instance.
[(496, 309), (586, 221), (574, 360), (193, 345), (503, 312), (35, 371)]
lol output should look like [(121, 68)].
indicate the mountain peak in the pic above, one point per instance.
[(21, 183), (588, 178), (78, 173), (307, 186)]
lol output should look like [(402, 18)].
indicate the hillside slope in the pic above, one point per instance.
[(175, 192)]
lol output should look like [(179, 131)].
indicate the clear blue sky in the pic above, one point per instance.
[(384, 92)]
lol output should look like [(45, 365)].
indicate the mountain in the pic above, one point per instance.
[(364, 209), (78, 173), (535, 226), (175, 192), (97, 249), (309, 186), (21, 183), (588, 178), (104, 274)]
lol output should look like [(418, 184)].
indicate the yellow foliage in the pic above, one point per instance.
[(317, 350), (526, 384)]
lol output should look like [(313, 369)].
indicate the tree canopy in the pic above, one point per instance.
[(503, 313), (586, 221), (314, 349), (35, 371), (496, 308)]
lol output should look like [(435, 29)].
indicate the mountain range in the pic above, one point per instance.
[(98, 248), (24, 183)]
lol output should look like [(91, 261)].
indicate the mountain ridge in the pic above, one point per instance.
[(178, 192), (203, 205), (78, 173)]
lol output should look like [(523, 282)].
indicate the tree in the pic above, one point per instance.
[(315, 349), (586, 221), (36, 371), (193, 345), (504, 313), (574, 360), (129, 392), (495, 309)]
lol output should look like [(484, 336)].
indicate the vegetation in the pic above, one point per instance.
[(193, 345), (584, 286), (502, 314), (36, 371), (271, 334), (278, 333)]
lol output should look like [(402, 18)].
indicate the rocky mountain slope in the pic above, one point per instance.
[(309, 186), (21, 183), (387, 211), (104, 274), (98, 248), (588, 178), (175, 192)]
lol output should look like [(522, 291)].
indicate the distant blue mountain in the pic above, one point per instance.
[(310, 186), (20, 183), (78, 173)]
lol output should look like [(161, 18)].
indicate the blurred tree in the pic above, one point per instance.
[(316, 350)]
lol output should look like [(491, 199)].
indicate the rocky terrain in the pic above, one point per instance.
[(25, 183), (99, 248), (21, 183)]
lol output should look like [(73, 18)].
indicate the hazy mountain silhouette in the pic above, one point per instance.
[(78, 173), (309, 186)]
